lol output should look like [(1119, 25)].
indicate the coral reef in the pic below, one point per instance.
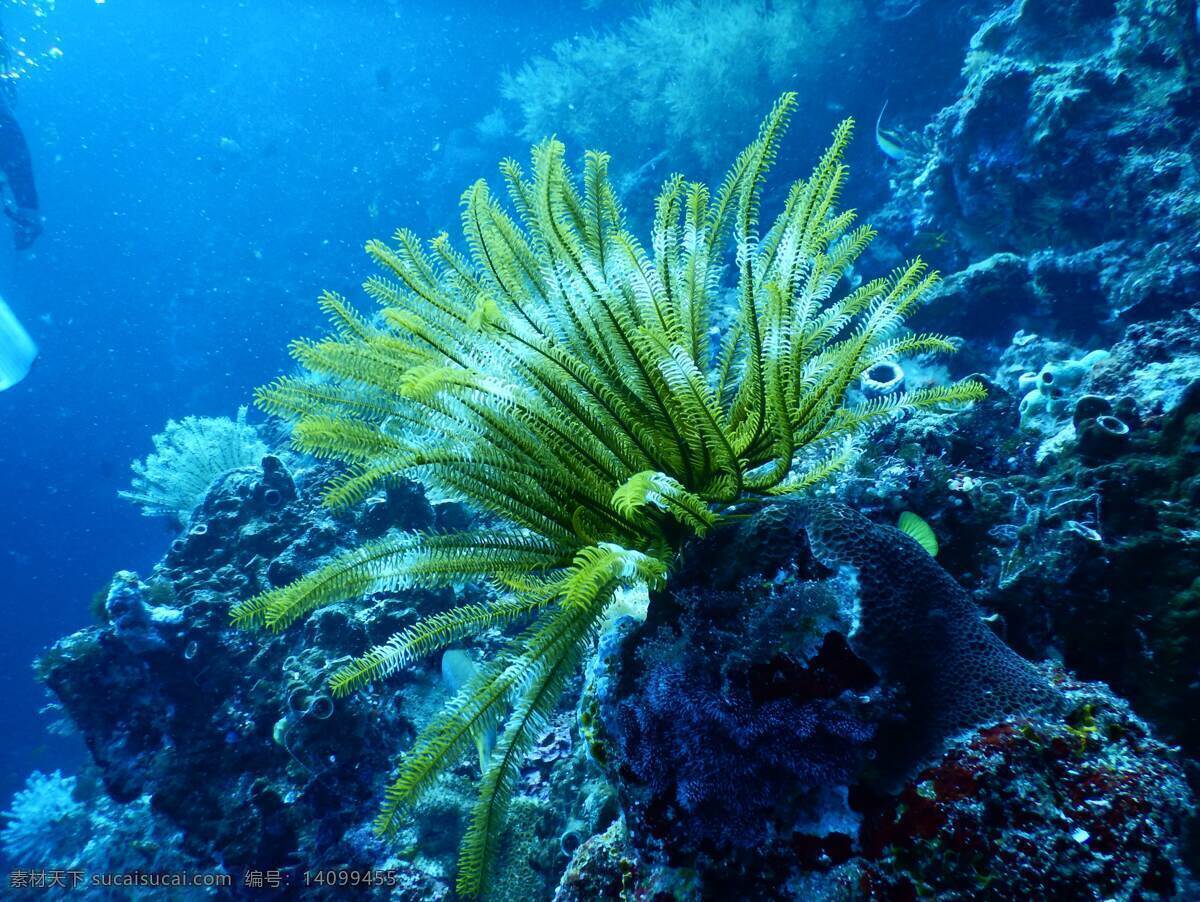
[(1086, 806), (1037, 784), (675, 85), (732, 720), (787, 699), (588, 416), (1076, 120), (1051, 393), (160, 696), (796, 691), (45, 821), (69, 824), (135, 622), (1087, 551), (188, 456), (156, 714), (601, 868), (1064, 182), (923, 631)]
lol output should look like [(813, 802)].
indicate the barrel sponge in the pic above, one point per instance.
[(922, 631)]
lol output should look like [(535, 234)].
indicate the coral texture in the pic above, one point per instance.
[(159, 694), (734, 718), (1080, 551), (1065, 176), (923, 630), (1024, 777), (1086, 806)]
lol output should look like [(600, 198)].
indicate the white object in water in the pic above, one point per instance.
[(17, 350)]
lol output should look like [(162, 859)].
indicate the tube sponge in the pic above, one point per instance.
[(1051, 390)]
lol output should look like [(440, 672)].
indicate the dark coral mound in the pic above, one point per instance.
[(259, 773), (771, 729), (923, 630), (731, 716), (233, 742), (602, 868), (1064, 176), (1085, 806)]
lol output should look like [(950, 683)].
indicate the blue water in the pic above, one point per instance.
[(203, 176)]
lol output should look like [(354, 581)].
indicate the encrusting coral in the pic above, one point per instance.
[(188, 457), (924, 631), (561, 380)]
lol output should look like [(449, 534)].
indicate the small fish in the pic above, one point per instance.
[(900, 143), (916, 528), (458, 669), (889, 142), (929, 240)]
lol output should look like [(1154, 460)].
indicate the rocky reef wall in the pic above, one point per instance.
[(228, 742), (1063, 184)]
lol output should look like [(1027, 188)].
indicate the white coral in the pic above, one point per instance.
[(46, 826), (682, 76), (188, 456)]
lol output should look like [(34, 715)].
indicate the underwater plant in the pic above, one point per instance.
[(562, 380), (188, 456)]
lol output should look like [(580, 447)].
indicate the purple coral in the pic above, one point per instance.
[(715, 755)]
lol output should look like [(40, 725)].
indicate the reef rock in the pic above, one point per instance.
[(1085, 805), (229, 736), (1065, 176), (1083, 545), (734, 717), (775, 723)]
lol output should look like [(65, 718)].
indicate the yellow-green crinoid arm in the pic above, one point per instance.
[(661, 492), (402, 560), (431, 634)]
